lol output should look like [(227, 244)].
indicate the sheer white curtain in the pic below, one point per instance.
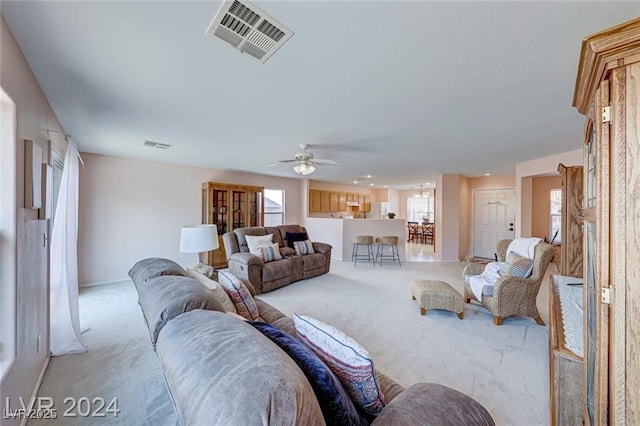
[(66, 337)]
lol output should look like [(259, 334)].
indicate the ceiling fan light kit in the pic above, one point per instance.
[(304, 169)]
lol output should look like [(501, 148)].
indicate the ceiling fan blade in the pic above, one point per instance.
[(323, 162), (288, 161), (272, 165)]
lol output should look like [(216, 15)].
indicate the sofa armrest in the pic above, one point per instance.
[(246, 259), (321, 248), (435, 405), (473, 268)]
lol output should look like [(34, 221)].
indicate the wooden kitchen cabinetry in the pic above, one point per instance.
[(607, 92), (230, 206), (321, 201)]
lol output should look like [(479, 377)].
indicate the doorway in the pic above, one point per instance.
[(493, 219)]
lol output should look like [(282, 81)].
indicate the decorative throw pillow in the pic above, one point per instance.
[(337, 408), (270, 253), (217, 290), (303, 247), (517, 266), (255, 242), (239, 295), (291, 237), (347, 359)]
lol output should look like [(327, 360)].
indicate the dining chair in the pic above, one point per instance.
[(427, 233), (414, 232)]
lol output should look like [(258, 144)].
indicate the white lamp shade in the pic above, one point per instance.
[(198, 238)]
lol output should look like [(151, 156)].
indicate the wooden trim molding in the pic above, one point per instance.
[(600, 53)]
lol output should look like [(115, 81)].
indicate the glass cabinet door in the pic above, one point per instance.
[(219, 209), (239, 199)]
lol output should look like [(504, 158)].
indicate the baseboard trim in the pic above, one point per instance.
[(100, 283), (38, 383)]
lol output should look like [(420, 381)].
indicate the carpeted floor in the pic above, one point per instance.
[(505, 368)]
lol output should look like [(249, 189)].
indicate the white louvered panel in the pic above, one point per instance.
[(260, 40)]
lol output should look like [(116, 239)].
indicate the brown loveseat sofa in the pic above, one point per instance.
[(220, 370), (269, 276)]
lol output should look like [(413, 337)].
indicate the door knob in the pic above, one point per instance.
[(511, 224), (510, 229)]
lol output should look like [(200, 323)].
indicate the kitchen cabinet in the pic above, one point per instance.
[(325, 201), (314, 201), (335, 202)]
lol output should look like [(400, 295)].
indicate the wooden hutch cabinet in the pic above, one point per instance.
[(230, 206), (607, 92), (572, 235)]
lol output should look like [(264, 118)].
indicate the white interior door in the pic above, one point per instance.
[(493, 219)]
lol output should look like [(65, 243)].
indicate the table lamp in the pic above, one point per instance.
[(199, 239)]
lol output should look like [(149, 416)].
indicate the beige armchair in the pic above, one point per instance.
[(512, 295)]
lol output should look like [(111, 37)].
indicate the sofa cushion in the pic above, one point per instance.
[(154, 267), (337, 408), (239, 295), (303, 247), (242, 232), (276, 270), (270, 253), (283, 229), (347, 359), (277, 238), (292, 237), (216, 288), (254, 242), (167, 297), (221, 371), (313, 261)]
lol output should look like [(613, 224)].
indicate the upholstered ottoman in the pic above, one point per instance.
[(432, 294)]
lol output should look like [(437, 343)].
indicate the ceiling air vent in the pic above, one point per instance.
[(156, 145), (249, 29)]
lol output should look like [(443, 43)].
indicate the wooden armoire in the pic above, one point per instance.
[(230, 206), (607, 92)]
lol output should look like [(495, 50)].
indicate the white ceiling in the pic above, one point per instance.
[(399, 90)]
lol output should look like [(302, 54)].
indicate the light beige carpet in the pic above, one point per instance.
[(505, 368)]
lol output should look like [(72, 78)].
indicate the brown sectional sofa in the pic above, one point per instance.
[(221, 370), (268, 276)]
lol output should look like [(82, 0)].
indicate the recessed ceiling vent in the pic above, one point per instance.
[(249, 29), (156, 145)]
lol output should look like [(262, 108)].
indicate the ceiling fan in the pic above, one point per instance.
[(306, 161)]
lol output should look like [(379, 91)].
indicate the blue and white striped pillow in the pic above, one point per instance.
[(270, 253), (347, 359), (517, 266), (303, 247)]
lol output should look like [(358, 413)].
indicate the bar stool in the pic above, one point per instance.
[(387, 241), (362, 240)]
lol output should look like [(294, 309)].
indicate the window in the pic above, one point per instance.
[(273, 207), (555, 219), (8, 237), (420, 209)]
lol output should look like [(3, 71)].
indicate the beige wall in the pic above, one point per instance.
[(525, 172), (34, 116), (464, 217), (541, 204), (448, 211), (133, 209)]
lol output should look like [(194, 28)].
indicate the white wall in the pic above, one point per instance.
[(525, 171), (30, 258), (133, 209)]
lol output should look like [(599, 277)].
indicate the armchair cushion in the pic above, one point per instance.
[(517, 266)]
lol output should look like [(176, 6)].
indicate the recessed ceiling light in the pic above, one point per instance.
[(371, 184), (487, 174), (368, 176), (385, 186), (355, 181), (428, 183)]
